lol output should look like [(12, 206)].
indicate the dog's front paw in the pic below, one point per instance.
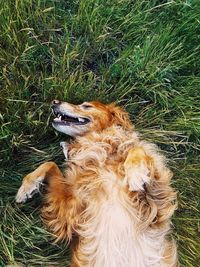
[(137, 176), (28, 189), (137, 168)]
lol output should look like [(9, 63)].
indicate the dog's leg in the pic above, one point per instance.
[(31, 182), (137, 169), (144, 164), (62, 207)]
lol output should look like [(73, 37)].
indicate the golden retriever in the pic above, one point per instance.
[(114, 195)]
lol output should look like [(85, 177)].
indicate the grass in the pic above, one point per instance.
[(144, 55)]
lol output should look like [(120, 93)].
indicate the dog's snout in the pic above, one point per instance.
[(55, 102)]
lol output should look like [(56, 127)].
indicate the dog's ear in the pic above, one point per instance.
[(120, 117)]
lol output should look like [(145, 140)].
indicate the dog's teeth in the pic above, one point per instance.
[(58, 118), (81, 120)]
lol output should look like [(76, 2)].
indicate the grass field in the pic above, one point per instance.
[(144, 55)]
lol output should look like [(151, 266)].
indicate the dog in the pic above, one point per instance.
[(114, 198)]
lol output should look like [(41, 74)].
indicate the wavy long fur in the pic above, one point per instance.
[(114, 226)]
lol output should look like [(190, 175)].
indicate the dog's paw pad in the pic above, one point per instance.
[(137, 176)]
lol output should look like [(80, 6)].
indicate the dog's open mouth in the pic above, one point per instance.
[(68, 119)]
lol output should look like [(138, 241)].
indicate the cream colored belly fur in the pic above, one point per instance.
[(110, 238)]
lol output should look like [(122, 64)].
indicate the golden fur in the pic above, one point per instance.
[(114, 196)]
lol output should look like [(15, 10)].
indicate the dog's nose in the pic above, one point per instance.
[(55, 102)]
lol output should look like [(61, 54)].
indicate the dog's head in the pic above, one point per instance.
[(75, 120)]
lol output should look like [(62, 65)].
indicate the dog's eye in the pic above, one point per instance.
[(86, 106)]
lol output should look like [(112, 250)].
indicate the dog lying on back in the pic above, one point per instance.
[(114, 194)]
